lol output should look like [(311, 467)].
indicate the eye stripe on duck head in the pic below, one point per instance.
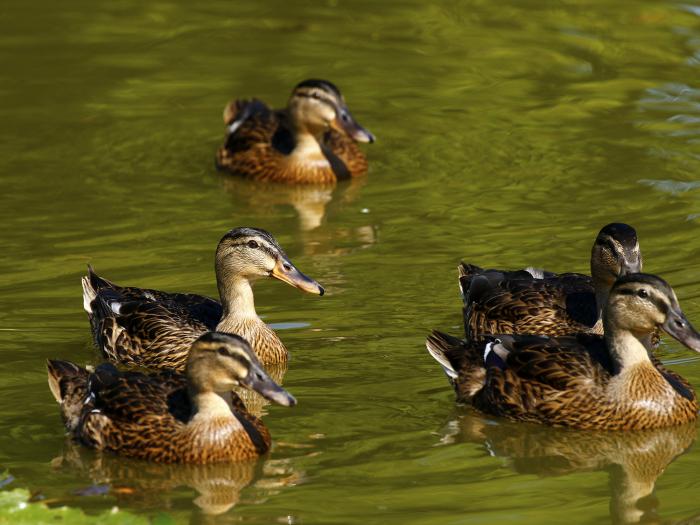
[(227, 345), (317, 84), (243, 235), (660, 293)]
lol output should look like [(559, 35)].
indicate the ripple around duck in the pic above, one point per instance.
[(508, 134)]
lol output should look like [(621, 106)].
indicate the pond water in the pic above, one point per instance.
[(508, 134)]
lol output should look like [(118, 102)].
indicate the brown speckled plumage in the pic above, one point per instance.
[(287, 145), (544, 303), (585, 381), (141, 327), (160, 417)]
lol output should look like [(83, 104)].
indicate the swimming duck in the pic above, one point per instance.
[(169, 417), (154, 329), (311, 141), (586, 381), (539, 302)]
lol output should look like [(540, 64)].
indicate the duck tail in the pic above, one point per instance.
[(461, 361), (237, 112), (61, 375), (438, 345), (92, 284), (68, 383)]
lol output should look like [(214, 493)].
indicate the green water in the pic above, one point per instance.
[(508, 134)]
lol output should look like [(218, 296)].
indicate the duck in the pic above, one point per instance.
[(165, 416), (140, 327), (585, 381), (312, 141), (536, 301)]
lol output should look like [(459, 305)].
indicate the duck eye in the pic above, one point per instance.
[(643, 294), (253, 244), (222, 350)]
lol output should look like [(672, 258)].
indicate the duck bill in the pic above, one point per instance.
[(345, 123), (633, 265), (258, 380), (678, 327), (286, 272)]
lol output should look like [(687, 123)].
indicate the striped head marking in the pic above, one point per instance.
[(615, 253), (317, 106), (219, 362), (640, 302), (252, 253)]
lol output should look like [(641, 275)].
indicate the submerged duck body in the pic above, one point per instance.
[(584, 381), (154, 329), (312, 141), (169, 417), (539, 302)]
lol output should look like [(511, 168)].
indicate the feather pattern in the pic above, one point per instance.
[(564, 381), (277, 145), (149, 417), (149, 328)]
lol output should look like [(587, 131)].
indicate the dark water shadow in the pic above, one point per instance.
[(633, 460)]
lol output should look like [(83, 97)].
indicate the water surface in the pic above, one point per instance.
[(508, 134)]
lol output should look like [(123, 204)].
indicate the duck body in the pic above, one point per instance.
[(520, 302), (534, 301), (312, 141), (564, 381), (586, 381), (164, 416), (149, 328)]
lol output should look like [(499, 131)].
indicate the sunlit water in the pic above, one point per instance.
[(508, 134)]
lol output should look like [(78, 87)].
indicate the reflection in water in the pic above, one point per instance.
[(634, 459), (309, 200), (151, 485)]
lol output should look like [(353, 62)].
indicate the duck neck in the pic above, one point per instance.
[(307, 146), (626, 348), (602, 291), (207, 405), (237, 301)]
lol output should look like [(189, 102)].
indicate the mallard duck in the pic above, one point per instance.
[(539, 302), (154, 329), (169, 417), (605, 382), (311, 141)]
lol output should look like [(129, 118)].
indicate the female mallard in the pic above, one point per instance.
[(166, 416), (539, 302), (154, 329), (312, 141), (586, 381)]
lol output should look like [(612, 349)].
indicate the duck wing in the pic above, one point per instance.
[(502, 302), (147, 334)]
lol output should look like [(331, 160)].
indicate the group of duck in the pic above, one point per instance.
[(195, 350), (565, 350), (571, 350)]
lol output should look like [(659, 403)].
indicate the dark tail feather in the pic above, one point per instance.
[(238, 111), (63, 375), (461, 361), (445, 349)]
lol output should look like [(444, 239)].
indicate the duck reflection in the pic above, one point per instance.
[(634, 460), (309, 201), (148, 485)]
